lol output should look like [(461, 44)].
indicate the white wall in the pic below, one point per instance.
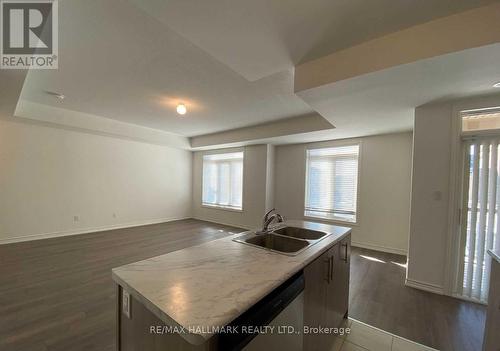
[(383, 218), (255, 184), (50, 175), (429, 200), (432, 257)]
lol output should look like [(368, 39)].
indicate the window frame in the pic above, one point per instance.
[(217, 206), (479, 132), (329, 145), (453, 234)]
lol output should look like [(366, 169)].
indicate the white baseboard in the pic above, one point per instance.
[(40, 236), (436, 289), (223, 223), (379, 248), (465, 298)]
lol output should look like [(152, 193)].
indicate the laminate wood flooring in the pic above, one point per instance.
[(379, 298), (57, 294)]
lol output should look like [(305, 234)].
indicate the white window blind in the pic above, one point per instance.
[(223, 180), (482, 201), (332, 183)]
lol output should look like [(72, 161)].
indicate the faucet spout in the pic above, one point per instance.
[(266, 216), (270, 218)]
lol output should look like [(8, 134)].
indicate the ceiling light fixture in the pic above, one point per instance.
[(57, 95), (496, 85), (181, 109)]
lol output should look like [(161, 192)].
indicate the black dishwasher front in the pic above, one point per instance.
[(260, 315)]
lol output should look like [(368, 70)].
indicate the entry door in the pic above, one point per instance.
[(481, 225)]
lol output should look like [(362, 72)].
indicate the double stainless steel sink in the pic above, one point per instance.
[(284, 240)]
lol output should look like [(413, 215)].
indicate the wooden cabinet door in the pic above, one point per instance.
[(344, 274), (335, 289), (338, 289), (326, 294), (316, 276), (341, 273)]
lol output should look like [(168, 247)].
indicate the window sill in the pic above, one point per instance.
[(216, 207), (332, 221)]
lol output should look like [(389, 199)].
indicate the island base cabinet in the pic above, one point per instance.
[(325, 305), (316, 277), (326, 295), (134, 333)]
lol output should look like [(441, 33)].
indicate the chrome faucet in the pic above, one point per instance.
[(269, 217)]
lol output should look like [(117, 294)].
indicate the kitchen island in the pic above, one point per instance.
[(181, 299)]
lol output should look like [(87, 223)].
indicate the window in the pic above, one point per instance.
[(223, 180), (481, 120), (481, 226), (332, 183), (480, 212)]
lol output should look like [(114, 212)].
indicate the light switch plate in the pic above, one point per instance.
[(126, 303)]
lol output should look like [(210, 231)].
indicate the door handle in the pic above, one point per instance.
[(345, 252), (331, 268)]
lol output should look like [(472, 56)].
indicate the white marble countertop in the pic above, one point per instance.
[(211, 284), (495, 255)]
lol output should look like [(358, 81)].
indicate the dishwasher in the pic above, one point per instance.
[(279, 315)]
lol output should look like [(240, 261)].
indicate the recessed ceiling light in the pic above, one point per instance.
[(496, 85), (181, 109), (57, 95)]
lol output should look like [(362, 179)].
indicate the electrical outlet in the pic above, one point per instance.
[(76, 218), (437, 195), (126, 303)]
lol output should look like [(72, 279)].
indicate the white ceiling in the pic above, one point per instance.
[(231, 62), (260, 37), (11, 85), (118, 62), (384, 101)]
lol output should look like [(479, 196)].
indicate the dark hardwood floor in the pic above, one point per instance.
[(57, 294), (379, 298)]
